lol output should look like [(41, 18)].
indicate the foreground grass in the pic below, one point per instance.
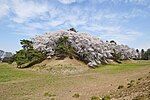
[(15, 83), (18, 84), (9, 73)]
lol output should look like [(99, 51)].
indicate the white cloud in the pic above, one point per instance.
[(25, 10), (117, 33), (121, 35), (75, 16), (92, 18), (137, 2), (4, 9), (67, 1), (26, 31), (35, 25), (140, 2), (55, 23)]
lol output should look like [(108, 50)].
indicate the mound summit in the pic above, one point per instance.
[(93, 51)]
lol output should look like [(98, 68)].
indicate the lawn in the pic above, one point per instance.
[(125, 66)]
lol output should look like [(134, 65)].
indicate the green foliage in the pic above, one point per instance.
[(142, 54), (76, 95), (64, 48), (106, 98), (28, 54), (95, 98), (49, 95), (26, 44), (21, 57), (147, 55), (25, 56)]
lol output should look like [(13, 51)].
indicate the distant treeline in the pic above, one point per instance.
[(6, 56), (143, 55)]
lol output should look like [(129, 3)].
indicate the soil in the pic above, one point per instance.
[(138, 89)]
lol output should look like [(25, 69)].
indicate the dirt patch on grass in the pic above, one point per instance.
[(138, 89)]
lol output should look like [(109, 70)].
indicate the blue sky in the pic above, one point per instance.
[(125, 21)]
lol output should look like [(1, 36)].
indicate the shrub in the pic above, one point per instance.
[(49, 95), (26, 56), (106, 98), (21, 57), (120, 86), (76, 95), (95, 98)]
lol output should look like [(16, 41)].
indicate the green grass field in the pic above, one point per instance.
[(125, 66), (9, 73)]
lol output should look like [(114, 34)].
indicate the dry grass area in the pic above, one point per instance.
[(90, 84), (138, 89), (65, 66)]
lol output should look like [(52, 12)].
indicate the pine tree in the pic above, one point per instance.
[(142, 54), (28, 54)]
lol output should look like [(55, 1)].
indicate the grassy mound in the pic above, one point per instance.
[(63, 66)]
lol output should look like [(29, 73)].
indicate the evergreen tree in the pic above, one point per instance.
[(26, 44), (147, 55), (137, 50), (142, 54), (28, 54)]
